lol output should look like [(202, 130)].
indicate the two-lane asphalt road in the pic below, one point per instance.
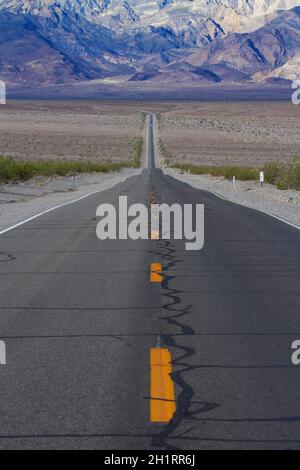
[(79, 317)]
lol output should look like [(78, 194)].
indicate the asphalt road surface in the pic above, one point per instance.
[(79, 317)]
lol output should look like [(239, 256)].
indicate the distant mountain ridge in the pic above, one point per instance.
[(46, 42)]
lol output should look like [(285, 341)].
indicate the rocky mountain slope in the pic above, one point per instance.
[(46, 42)]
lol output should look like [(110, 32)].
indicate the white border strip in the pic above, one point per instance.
[(61, 205)]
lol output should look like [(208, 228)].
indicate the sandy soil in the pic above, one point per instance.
[(76, 130), (244, 133)]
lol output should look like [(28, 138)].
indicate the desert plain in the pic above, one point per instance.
[(247, 133), (69, 130), (198, 132)]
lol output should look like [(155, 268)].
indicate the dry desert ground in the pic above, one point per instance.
[(243, 133), (69, 130), (198, 132)]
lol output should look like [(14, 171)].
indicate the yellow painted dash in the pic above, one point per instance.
[(156, 271), (162, 393)]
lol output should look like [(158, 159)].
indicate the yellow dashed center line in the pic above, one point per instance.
[(162, 393), (156, 272)]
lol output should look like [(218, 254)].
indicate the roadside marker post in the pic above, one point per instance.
[(262, 178), (234, 183), (73, 183), (2, 353)]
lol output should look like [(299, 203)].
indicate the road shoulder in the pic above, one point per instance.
[(284, 205), (23, 201)]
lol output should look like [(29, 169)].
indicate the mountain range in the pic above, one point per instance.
[(157, 42)]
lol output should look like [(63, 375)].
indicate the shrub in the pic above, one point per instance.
[(13, 170), (284, 176), (228, 171), (138, 153), (272, 171)]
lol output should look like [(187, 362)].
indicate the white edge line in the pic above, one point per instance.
[(60, 205), (242, 205), (255, 209)]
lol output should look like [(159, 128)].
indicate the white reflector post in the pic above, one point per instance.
[(262, 178), (2, 353)]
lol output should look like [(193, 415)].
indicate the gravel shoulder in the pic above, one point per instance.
[(283, 204), (23, 200)]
